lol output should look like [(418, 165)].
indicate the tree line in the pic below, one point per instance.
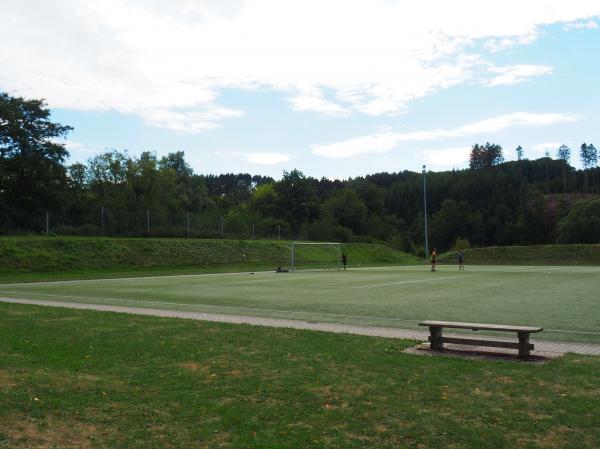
[(493, 202)]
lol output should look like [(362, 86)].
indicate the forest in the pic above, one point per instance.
[(493, 202)]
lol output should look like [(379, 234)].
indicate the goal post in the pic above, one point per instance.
[(316, 255)]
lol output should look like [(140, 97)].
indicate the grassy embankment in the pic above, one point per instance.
[(81, 379), (528, 255), (53, 258)]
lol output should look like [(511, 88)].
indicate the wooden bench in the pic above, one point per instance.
[(437, 340)]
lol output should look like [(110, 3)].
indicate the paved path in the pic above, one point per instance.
[(546, 348)]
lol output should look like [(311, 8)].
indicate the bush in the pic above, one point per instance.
[(403, 243), (461, 244)]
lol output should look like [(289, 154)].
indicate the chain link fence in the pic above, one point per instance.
[(111, 222)]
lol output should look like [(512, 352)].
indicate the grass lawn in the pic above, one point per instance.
[(563, 300), (55, 254), (81, 379)]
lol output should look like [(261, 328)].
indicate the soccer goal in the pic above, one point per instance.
[(316, 255)]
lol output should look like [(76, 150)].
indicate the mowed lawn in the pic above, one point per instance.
[(563, 300), (83, 379)]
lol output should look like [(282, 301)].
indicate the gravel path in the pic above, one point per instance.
[(544, 348)]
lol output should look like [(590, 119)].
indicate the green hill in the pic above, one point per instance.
[(529, 255), (55, 254)]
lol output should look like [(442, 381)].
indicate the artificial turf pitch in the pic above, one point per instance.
[(563, 300)]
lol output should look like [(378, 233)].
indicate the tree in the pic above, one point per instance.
[(519, 151), (348, 209), (176, 161), (582, 224), (297, 199), (454, 220), (593, 155), (33, 177), (589, 159), (485, 156), (564, 154)]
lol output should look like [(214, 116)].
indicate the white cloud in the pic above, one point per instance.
[(311, 98), (263, 158), (384, 142), (504, 43), (190, 120), (587, 25), (79, 147), (168, 62), (517, 74)]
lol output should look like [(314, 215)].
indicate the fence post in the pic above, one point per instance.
[(188, 225), (252, 231), (278, 232), (47, 222), (148, 222), (222, 227), (102, 220)]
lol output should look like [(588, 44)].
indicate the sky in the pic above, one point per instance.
[(336, 89)]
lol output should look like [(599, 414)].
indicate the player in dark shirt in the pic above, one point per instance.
[(433, 259)]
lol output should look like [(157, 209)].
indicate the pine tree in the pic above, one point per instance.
[(519, 151)]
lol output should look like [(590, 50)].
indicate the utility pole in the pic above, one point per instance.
[(425, 212)]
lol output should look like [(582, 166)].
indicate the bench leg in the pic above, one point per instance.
[(436, 339), (523, 345)]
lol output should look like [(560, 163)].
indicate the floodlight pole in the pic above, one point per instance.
[(425, 212)]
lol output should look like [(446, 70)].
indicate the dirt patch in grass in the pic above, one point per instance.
[(191, 366), (49, 433), (505, 380), (558, 437), (6, 381)]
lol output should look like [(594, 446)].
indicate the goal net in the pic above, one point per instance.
[(316, 255)]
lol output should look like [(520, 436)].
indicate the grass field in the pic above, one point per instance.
[(582, 254), (563, 300), (81, 380)]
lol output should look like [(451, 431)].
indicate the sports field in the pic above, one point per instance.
[(563, 300)]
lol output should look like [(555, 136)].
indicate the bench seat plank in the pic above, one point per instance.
[(481, 326)]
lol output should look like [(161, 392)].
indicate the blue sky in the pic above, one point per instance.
[(335, 89)]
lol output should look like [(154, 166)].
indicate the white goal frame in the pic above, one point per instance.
[(335, 244)]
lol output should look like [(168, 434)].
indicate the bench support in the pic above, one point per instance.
[(523, 345), (437, 342)]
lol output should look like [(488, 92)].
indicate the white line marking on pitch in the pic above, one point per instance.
[(415, 281), (141, 278)]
